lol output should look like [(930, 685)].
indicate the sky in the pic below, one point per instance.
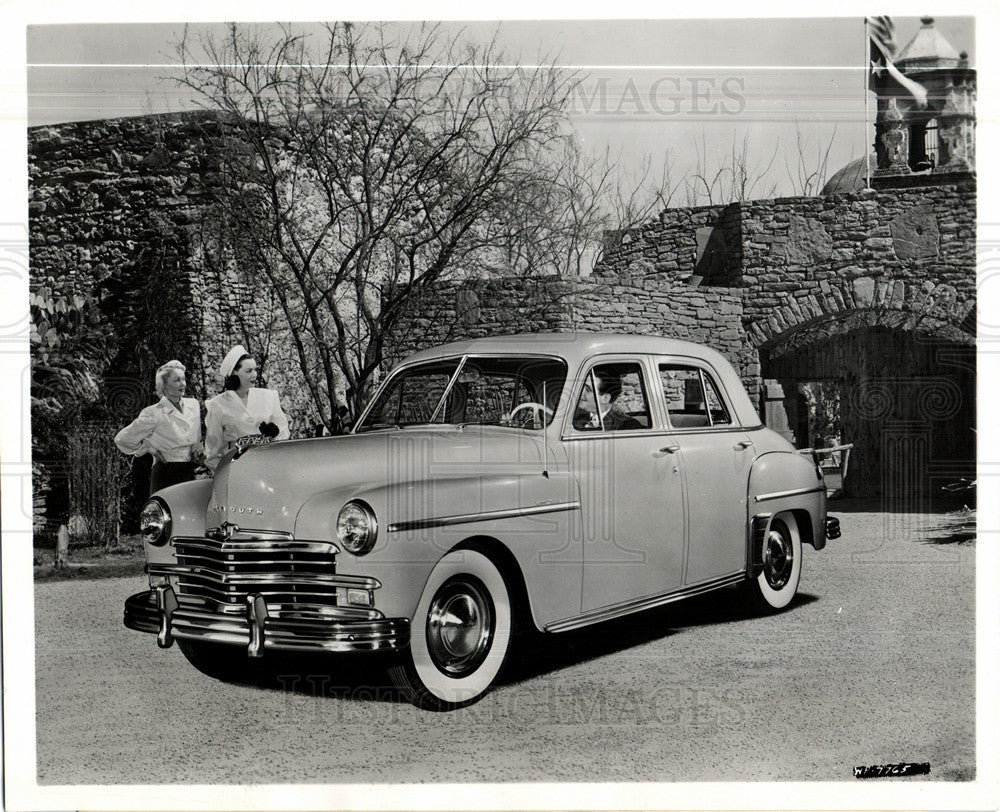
[(664, 88)]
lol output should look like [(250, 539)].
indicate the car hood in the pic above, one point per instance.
[(266, 486)]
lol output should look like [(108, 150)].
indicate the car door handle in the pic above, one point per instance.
[(670, 449), (742, 444)]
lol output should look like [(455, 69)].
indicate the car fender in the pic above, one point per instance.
[(187, 503), (531, 514), (787, 481)]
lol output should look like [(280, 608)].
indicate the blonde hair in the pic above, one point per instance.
[(166, 369)]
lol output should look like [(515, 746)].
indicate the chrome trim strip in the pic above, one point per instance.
[(486, 516), (250, 545), (795, 492), (641, 604), (229, 563), (277, 609), (276, 579), (290, 578), (652, 432)]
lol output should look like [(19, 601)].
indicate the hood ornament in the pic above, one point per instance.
[(223, 532), (248, 441)]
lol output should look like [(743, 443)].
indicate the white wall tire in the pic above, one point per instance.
[(781, 552), (459, 634)]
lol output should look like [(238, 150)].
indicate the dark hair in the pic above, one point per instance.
[(610, 383), (232, 382)]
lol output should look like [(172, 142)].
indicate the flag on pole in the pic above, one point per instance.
[(881, 47)]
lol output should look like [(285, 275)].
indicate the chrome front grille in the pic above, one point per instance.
[(290, 574)]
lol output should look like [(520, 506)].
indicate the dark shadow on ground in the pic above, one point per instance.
[(543, 653), (364, 678), (913, 503), (954, 528), (356, 677)]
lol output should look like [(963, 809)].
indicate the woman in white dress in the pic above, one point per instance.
[(169, 430), (242, 410)]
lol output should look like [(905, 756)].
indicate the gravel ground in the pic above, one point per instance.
[(874, 663)]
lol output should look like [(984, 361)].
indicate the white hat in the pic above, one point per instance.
[(231, 360)]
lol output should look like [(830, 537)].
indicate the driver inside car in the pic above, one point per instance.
[(608, 413)]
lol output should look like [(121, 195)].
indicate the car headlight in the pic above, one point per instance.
[(154, 522), (357, 528)]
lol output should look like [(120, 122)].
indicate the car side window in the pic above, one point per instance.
[(613, 399), (692, 397)]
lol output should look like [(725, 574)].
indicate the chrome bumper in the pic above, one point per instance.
[(157, 611)]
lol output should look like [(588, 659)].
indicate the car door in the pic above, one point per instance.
[(715, 458), (630, 488)]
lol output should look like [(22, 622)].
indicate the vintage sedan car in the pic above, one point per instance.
[(543, 482)]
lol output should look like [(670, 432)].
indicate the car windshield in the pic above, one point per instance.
[(501, 391)]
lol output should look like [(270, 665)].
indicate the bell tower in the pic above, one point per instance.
[(918, 144)]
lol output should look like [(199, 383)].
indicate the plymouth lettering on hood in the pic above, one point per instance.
[(247, 510)]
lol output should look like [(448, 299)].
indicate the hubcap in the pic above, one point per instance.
[(778, 558), (460, 626)]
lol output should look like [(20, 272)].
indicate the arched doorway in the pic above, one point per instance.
[(902, 392)]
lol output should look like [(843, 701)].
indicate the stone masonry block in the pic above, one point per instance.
[(864, 291)]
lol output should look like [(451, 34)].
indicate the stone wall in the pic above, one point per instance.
[(114, 206), (806, 258), (905, 250), (644, 306), (104, 194), (679, 243)]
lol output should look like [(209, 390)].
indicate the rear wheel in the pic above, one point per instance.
[(781, 553), (459, 635)]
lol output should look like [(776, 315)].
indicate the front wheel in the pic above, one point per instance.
[(781, 555), (459, 635)]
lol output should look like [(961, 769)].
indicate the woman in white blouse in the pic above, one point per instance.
[(169, 430), (242, 409)]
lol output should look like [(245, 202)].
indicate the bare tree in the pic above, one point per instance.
[(739, 176), (359, 174), (562, 218), (729, 179), (635, 197), (810, 171)]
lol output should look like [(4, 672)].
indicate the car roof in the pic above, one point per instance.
[(574, 347)]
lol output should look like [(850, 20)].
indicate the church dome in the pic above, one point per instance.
[(849, 178)]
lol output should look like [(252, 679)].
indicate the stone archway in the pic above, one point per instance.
[(908, 304), (904, 383)]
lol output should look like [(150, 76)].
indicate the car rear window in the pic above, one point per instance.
[(692, 397)]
